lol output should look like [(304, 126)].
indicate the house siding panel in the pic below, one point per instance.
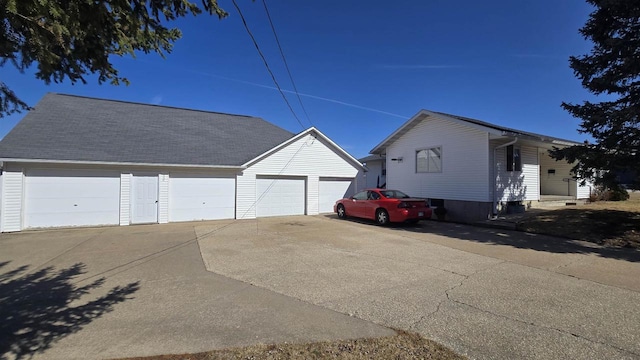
[(517, 185), (374, 175), (584, 192), (12, 187), (125, 198), (313, 184), (465, 155), (163, 198), (553, 183), (308, 157), (531, 172)]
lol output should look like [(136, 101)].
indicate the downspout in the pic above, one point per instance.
[(495, 176)]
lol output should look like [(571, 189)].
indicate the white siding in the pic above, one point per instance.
[(12, 187), (465, 162), (163, 198), (552, 182), (370, 178), (313, 195), (584, 192), (125, 198), (246, 196), (517, 185), (308, 157)]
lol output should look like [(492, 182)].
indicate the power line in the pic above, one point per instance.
[(264, 60), (286, 65)]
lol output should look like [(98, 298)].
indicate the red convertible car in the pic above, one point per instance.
[(383, 206)]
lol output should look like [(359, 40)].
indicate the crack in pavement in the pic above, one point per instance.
[(529, 323), (448, 296), (562, 331)]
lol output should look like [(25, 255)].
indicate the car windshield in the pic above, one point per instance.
[(394, 194)]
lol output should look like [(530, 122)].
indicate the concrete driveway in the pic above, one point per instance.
[(141, 290), (486, 293)]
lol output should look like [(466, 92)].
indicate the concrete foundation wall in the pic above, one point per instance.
[(467, 211)]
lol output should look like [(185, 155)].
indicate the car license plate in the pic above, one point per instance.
[(420, 213)]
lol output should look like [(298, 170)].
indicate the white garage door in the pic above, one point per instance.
[(201, 197), (71, 198), (280, 196), (330, 190)]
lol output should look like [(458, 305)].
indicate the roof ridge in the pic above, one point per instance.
[(154, 105), (500, 127)]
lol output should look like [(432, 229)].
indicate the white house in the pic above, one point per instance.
[(475, 168), (77, 161), (375, 173)]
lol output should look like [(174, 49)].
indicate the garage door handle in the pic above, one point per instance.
[(156, 201)]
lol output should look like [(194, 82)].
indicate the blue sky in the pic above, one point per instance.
[(363, 68)]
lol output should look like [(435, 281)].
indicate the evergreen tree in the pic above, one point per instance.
[(69, 39), (611, 68)]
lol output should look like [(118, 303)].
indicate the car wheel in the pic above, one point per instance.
[(342, 214), (382, 217)]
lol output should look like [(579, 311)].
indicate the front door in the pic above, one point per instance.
[(144, 205)]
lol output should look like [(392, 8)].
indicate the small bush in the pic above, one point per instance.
[(618, 194), (615, 194)]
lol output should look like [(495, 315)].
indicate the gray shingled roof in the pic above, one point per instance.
[(67, 127), (507, 129), (371, 158), (422, 114)]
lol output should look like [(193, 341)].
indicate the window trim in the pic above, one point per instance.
[(415, 158)]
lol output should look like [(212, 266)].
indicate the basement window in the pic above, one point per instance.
[(514, 159)]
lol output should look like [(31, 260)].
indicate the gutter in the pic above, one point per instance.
[(494, 208)]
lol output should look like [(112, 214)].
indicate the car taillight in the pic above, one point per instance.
[(403, 205)]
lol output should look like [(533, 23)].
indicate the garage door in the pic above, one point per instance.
[(280, 196), (331, 190), (201, 197), (71, 198)]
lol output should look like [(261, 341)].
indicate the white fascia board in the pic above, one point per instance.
[(564, 143), (541, 141), (298, 137), (83, 162)]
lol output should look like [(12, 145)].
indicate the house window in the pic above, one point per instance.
[(514, 160), (384, 168), (429, 160)]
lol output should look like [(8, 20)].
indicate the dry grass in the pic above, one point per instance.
[(610, 223), (404, 345)]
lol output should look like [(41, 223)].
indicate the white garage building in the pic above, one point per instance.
[(76, 161)]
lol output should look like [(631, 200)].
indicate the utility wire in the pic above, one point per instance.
[(286, 65), (266, 64)]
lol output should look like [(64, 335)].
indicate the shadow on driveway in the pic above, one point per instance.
[(39, 308), (516, 239)]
